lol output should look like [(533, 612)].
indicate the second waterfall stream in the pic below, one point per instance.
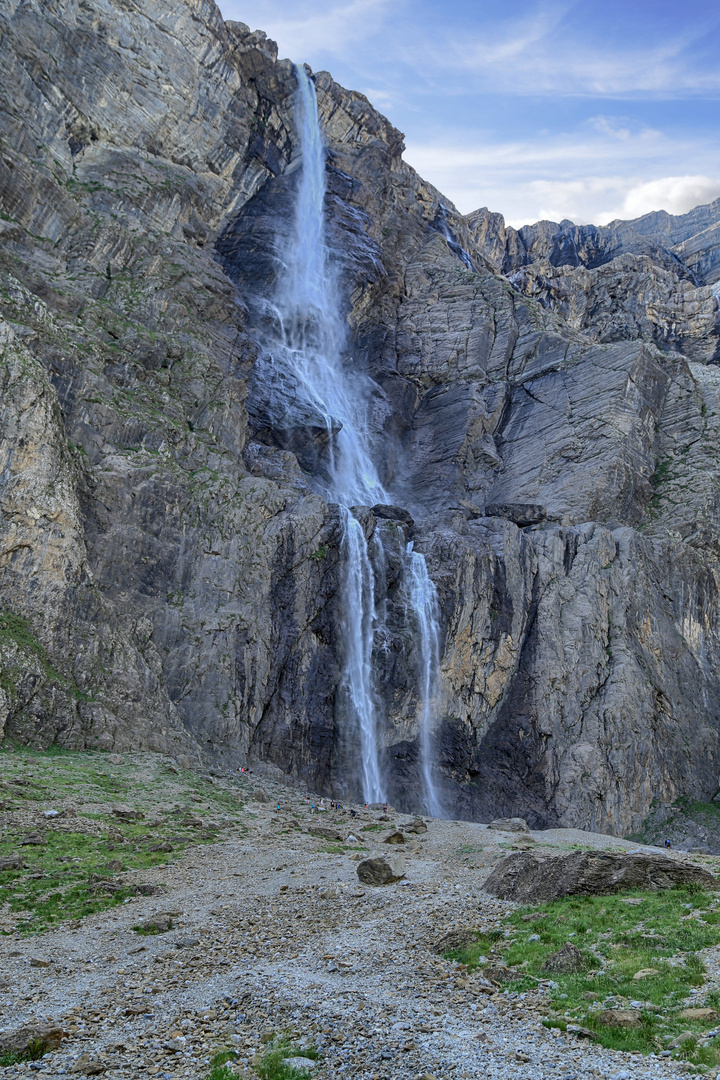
[(308, 339)]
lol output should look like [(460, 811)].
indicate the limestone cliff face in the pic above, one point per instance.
[(546, 402)]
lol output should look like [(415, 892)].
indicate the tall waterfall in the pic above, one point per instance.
[(423, 601), (309, 339)]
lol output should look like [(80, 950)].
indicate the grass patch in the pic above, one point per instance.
[(63, 876), (663, 932), (340, 849), (218, 1066), (35, 1050), (273, 1063)]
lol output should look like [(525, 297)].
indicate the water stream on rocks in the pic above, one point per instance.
[(310, 339)]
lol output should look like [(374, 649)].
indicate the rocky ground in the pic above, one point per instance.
[(271, 931)]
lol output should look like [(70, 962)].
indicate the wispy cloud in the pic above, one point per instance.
[(548, 58), (303, 31), (595, 178)]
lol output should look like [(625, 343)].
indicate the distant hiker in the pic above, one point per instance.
[(667, 843), (278, 809), (384, 808), (352, 813)]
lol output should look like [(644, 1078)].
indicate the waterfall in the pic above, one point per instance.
[(423, 602), (306, 343)]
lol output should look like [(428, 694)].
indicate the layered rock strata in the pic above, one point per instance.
[(168, 574)]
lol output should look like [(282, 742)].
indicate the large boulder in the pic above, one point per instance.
[(509, 824), (528, 878), (383, 870), (32, 1040)]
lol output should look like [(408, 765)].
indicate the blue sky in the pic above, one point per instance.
[(537, 109)]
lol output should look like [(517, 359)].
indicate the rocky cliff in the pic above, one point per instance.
[(546, 401)]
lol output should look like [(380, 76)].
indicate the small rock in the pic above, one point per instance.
[(581, 1032), (416, 826), (144, 889), (687, 1036), (161, 847), (87, 1066), (51, 813), (520, 1055), (697, 1014), (620, 1017), (645, 973), (11, 862), (125, 813), (568, 958), (297, 1064), (509, 824), (115, 759), (33, 840), (37, 962), (187, 943), (260, 796), (114, 866), (383, 870), (137, 1010), (156, 924), (395, 838)]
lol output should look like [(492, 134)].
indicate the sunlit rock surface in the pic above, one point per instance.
[(171, 575)]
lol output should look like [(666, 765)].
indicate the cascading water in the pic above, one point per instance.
[(424, 604), (307, 339)]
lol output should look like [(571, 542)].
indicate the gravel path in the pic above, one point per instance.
[(272, 931)]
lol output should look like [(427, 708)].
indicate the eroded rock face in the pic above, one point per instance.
[(528, 878), (549, 442)]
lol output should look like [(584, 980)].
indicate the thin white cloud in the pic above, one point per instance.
[(303, 32), (593, 179), (545, 58)]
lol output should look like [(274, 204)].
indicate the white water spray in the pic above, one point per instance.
[(424, 603), (308, 339)]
